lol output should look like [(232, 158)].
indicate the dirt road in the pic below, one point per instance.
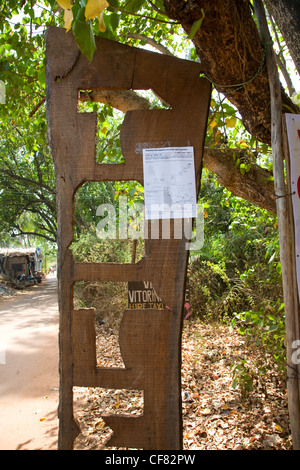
[(29, 369)]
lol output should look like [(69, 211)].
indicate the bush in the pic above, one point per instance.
[(90, 249), (108, 298), (213, 294), (265, 329)]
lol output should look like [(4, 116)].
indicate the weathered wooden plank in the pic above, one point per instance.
[(149, 340), (144, 344)]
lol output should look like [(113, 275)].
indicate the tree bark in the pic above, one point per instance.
[(230, 49), (122, 100), (286, 14), (255, 186)]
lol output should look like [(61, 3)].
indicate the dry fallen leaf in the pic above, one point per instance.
[(99, 425), (279, 428), (206, 411), (241, 423)]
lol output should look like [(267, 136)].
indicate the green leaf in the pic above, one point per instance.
[(134, 5), (114, 20), (41, 76), (197, 24), (84, 36)]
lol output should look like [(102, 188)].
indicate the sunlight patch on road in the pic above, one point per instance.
[(2, 352)]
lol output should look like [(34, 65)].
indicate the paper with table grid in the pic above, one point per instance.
[(169, 183)]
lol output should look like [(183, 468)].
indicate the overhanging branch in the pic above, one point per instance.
[(124, 101), (254, 186)]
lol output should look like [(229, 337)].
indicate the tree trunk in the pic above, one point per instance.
[(286, 14), (230, 49)]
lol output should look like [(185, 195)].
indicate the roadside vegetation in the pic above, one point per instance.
[(235, 278)]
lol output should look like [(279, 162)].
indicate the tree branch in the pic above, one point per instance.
[(151, 42), (14, 176), (50, 239), (122, 100), (35, 109), (254, 186)]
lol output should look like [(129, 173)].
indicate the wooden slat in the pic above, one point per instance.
[(149, 340)]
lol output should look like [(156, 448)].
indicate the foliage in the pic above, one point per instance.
[(27, 190), (108, 298), (88, 248), (265, 332), (242, 376), (267, 326), (236, 275)]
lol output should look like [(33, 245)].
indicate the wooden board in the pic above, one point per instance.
[(150, 340)]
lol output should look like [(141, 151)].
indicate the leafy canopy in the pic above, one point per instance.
[(241, 245), (27, 181)]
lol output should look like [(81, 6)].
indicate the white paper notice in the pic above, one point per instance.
[(169, 183)]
